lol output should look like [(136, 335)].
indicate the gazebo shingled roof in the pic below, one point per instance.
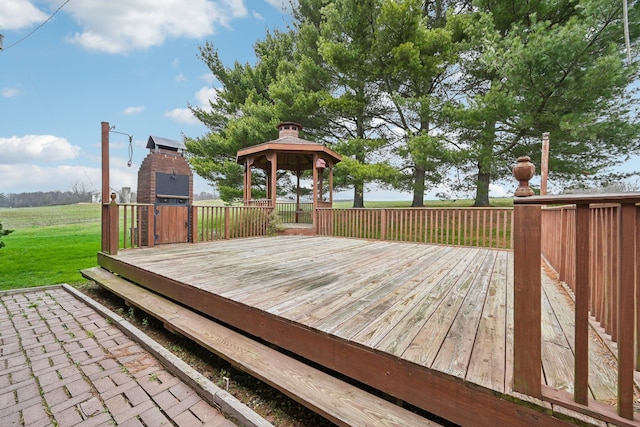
[(294, 153)]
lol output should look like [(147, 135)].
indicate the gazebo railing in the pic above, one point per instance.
[(258, 202), (295, 213), (229, 222)]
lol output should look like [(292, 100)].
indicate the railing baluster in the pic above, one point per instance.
[(626, 298)]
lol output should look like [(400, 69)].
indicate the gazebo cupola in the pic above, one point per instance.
[(289, 153)]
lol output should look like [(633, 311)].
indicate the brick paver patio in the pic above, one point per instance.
[(62, 363)]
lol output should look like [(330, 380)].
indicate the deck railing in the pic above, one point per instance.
[(134, 222), (558, 248), (484, 227), (594, 245), (129, 229), (227, 222)]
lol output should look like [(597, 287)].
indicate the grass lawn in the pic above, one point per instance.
[(49, 245), (39, 256)]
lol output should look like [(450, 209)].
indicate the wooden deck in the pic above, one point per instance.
[(430, 325)]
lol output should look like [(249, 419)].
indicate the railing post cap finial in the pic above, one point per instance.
[(523, 171)]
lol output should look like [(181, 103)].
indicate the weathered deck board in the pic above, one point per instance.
[(427, 343), (455, 352), (446, 308), (488, 359), (384, 315)]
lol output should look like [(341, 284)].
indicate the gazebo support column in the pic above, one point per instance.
[(298, 173), (273, 178), (248, 164), (315, 191), (331, 183)]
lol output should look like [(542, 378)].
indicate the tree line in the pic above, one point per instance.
[(43, 198), (417, 93)]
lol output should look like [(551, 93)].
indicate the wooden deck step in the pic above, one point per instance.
[(336, 400)]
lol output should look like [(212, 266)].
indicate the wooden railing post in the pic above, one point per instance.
[(151, 225), (527, 287), (105, 222), (113, 231), (383, 224), (527, 331), (581, 286), (194, 224), (626, 300)]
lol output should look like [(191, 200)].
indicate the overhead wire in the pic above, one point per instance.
[(39, 26), (44, 104)]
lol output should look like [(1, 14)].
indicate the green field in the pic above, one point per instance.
[(50, 245)]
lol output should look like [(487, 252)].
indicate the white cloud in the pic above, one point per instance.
[(121, 26), (184, 115), (133, 110), (204, 95), (282, 5), (23, 178), (180, 78), (10, 92), (181, 115), (34, 148), (19, 14), (209, 78)]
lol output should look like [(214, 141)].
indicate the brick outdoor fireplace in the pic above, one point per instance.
[(165, 180)]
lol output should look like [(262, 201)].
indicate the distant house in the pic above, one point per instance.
[(124, 196), (96, 197)]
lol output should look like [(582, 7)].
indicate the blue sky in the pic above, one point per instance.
[(132, 63)]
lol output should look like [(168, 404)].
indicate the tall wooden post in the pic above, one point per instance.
[(544, 167), (105, 199)]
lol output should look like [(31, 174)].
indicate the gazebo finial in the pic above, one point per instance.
[(289, 129)]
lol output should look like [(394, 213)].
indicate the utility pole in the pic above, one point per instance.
[(544, 167)]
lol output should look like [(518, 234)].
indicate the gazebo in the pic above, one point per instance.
[(289, 153)]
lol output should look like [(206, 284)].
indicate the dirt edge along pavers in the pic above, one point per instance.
[(66, 360)]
